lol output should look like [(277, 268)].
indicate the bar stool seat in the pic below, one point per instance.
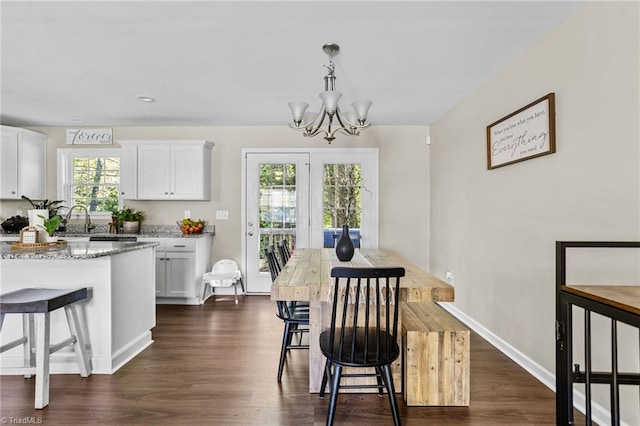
[(39, 303)]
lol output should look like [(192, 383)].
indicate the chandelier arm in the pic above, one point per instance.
[(342, 120), (313, 129), (344, 131)]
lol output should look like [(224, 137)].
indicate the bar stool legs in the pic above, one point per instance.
[(37, 304), (79, 345)]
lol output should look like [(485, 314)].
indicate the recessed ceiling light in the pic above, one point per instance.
[(145, 99), (77, 120)]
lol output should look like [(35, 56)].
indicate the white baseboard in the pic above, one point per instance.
[(599, 414)]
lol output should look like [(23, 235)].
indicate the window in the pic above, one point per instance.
[(90, 178), (342, 200)]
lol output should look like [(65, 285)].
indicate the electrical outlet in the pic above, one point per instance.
[(450, 277), (187, 214)]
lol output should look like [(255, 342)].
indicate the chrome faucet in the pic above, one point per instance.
[(88, 226)]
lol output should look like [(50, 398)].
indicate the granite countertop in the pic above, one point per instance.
[(147, 231), (73, 250)]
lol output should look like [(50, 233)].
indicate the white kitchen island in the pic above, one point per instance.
[(116, 318)]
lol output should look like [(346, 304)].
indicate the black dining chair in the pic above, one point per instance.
[(285, 253), (296, 321), (363, 332)]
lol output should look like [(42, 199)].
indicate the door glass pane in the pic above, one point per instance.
[(278, 201), (342, 201)]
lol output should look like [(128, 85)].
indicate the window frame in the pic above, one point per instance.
[(65, 157)]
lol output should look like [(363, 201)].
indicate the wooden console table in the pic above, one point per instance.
[(619, 303), (306, 277)]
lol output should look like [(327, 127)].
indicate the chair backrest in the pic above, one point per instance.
[(272, 261), (283, 248), (284, 309), (364, 305), (224, 266)]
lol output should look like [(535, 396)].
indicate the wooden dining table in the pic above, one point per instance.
[(306, 277)]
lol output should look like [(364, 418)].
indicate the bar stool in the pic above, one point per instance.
[(39, 302)]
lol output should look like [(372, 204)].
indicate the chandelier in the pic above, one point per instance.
[(347, 122)]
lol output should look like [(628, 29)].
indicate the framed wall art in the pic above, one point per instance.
[(527, 133), (89, 137)]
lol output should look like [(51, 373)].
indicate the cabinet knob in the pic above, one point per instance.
[(122, 193), (13, 192), (166, 193), (172, 193), (250, 234)]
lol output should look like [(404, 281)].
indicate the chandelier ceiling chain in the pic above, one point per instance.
[(349, 122)]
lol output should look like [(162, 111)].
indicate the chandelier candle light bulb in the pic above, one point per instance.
[(349, 122)]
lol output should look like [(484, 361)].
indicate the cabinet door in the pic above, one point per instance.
[(161, 274), (32, 170), (186, 172), (129, 172), (9, 164), (154, 163), (180, 275)]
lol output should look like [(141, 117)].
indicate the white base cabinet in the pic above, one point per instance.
[(174, 274), (180, 265), (23, 163)]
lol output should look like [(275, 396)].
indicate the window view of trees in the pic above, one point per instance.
[(342, 195), (95, 183)]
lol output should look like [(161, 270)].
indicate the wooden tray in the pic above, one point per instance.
[(55, 245)]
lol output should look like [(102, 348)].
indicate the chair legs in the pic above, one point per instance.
[(42, 360), (286, 338), (290, 328), (335, 383), (388, 381), (325, 378), (383, 376), (213, 291)]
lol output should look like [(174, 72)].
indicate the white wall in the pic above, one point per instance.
[(495, 229), (404, 172)]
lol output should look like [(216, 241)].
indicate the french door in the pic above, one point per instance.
[(305, 197), (277, 208)]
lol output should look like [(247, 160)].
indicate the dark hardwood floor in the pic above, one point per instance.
[(216, 364)]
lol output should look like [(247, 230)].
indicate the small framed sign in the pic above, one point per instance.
[(89, 136), (28, 235), (524, 134)]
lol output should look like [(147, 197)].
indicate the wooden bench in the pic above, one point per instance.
[(435, 356)]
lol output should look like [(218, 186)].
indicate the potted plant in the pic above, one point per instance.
[(51, 206), (42, 209), (50, 225), (128, 219)]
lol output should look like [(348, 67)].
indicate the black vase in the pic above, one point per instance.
[(344, 247)]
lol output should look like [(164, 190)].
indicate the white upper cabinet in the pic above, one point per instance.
[(129, 172), (23, 163), (168, 170)]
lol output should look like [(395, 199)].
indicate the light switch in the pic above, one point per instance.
[(187, 214), (222, 214)]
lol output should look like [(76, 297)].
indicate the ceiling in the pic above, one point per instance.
[(214, 63)]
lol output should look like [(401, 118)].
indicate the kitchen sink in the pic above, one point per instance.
[(113, 238)]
